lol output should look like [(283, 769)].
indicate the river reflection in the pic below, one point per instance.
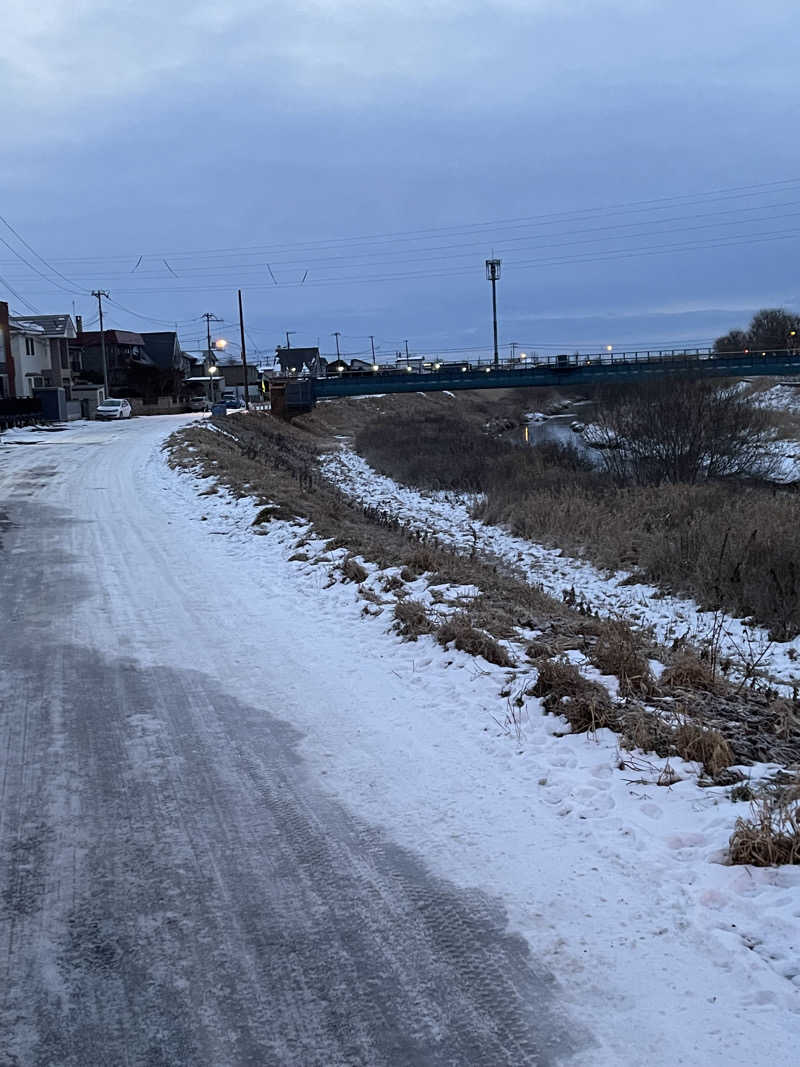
[(556, 430)]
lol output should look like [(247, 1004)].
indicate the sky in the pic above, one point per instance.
[(351, 165)]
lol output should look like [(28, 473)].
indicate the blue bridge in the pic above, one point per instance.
[(292, 395)]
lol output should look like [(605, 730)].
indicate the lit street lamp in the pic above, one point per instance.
[(212, 370)]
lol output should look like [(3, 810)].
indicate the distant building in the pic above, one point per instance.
[(297, 360), (173, 364), (131, 371)]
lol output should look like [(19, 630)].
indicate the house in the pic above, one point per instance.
[(7, 369), (131, 371), (174, 365), (65, 352), (30, 353)]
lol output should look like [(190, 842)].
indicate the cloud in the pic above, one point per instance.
[(76, 61)]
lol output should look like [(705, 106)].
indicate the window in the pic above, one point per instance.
[(30, 347)]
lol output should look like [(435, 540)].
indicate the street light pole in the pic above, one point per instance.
[(492, 274), (288, 335), (337, 334)]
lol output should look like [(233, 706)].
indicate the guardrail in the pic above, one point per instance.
[(555, 371)]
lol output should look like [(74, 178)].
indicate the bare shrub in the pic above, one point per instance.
[(695, 430), (467, 638), (698, 744), (688, 671), (618, 651), (770, 837), (586, 705), (352, 571), (412, 619)]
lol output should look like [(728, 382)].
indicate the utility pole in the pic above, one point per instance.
[(100, 293), (244, 354), (513, 350), (288, 335), (209, 317), (372, 342), (406, 344), (492, 274), (337, 334)]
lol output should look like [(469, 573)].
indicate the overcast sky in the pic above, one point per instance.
[(383, 150)]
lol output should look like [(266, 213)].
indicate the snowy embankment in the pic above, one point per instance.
[(618, 883), (447, 517)]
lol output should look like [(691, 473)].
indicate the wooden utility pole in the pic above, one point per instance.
[(100, 293), (244, 354)]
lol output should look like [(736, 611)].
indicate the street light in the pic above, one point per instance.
[(492, 274), (221, 344), (212, 370)]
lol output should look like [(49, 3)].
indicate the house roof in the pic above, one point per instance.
[(18, 325), (119, 337), (54, 325)]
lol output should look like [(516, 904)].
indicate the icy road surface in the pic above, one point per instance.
[(242, 824), (175, 887)]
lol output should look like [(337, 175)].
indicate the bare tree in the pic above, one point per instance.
[(683, 431)]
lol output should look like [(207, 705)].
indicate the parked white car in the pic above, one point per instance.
[(113, 409)]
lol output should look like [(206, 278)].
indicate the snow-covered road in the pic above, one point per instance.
[(240, 823)]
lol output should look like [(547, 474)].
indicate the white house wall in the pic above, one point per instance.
[(26, 366)]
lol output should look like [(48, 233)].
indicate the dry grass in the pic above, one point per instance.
[(727, 544), (279, 462), (647, 731), (352, 571), (467, 638), (412, 619), (688, 671), (698, 744), (585, 705), (618, 651), (770, 837)]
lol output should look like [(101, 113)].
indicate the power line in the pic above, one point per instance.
[(33, 252), (658, 203), (19, 296)]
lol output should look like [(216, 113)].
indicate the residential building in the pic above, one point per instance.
[(65, 352), (174, 365), (7, 369), (30, 351), (131, 371)]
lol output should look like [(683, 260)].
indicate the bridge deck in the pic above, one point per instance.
[(594, 371)]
